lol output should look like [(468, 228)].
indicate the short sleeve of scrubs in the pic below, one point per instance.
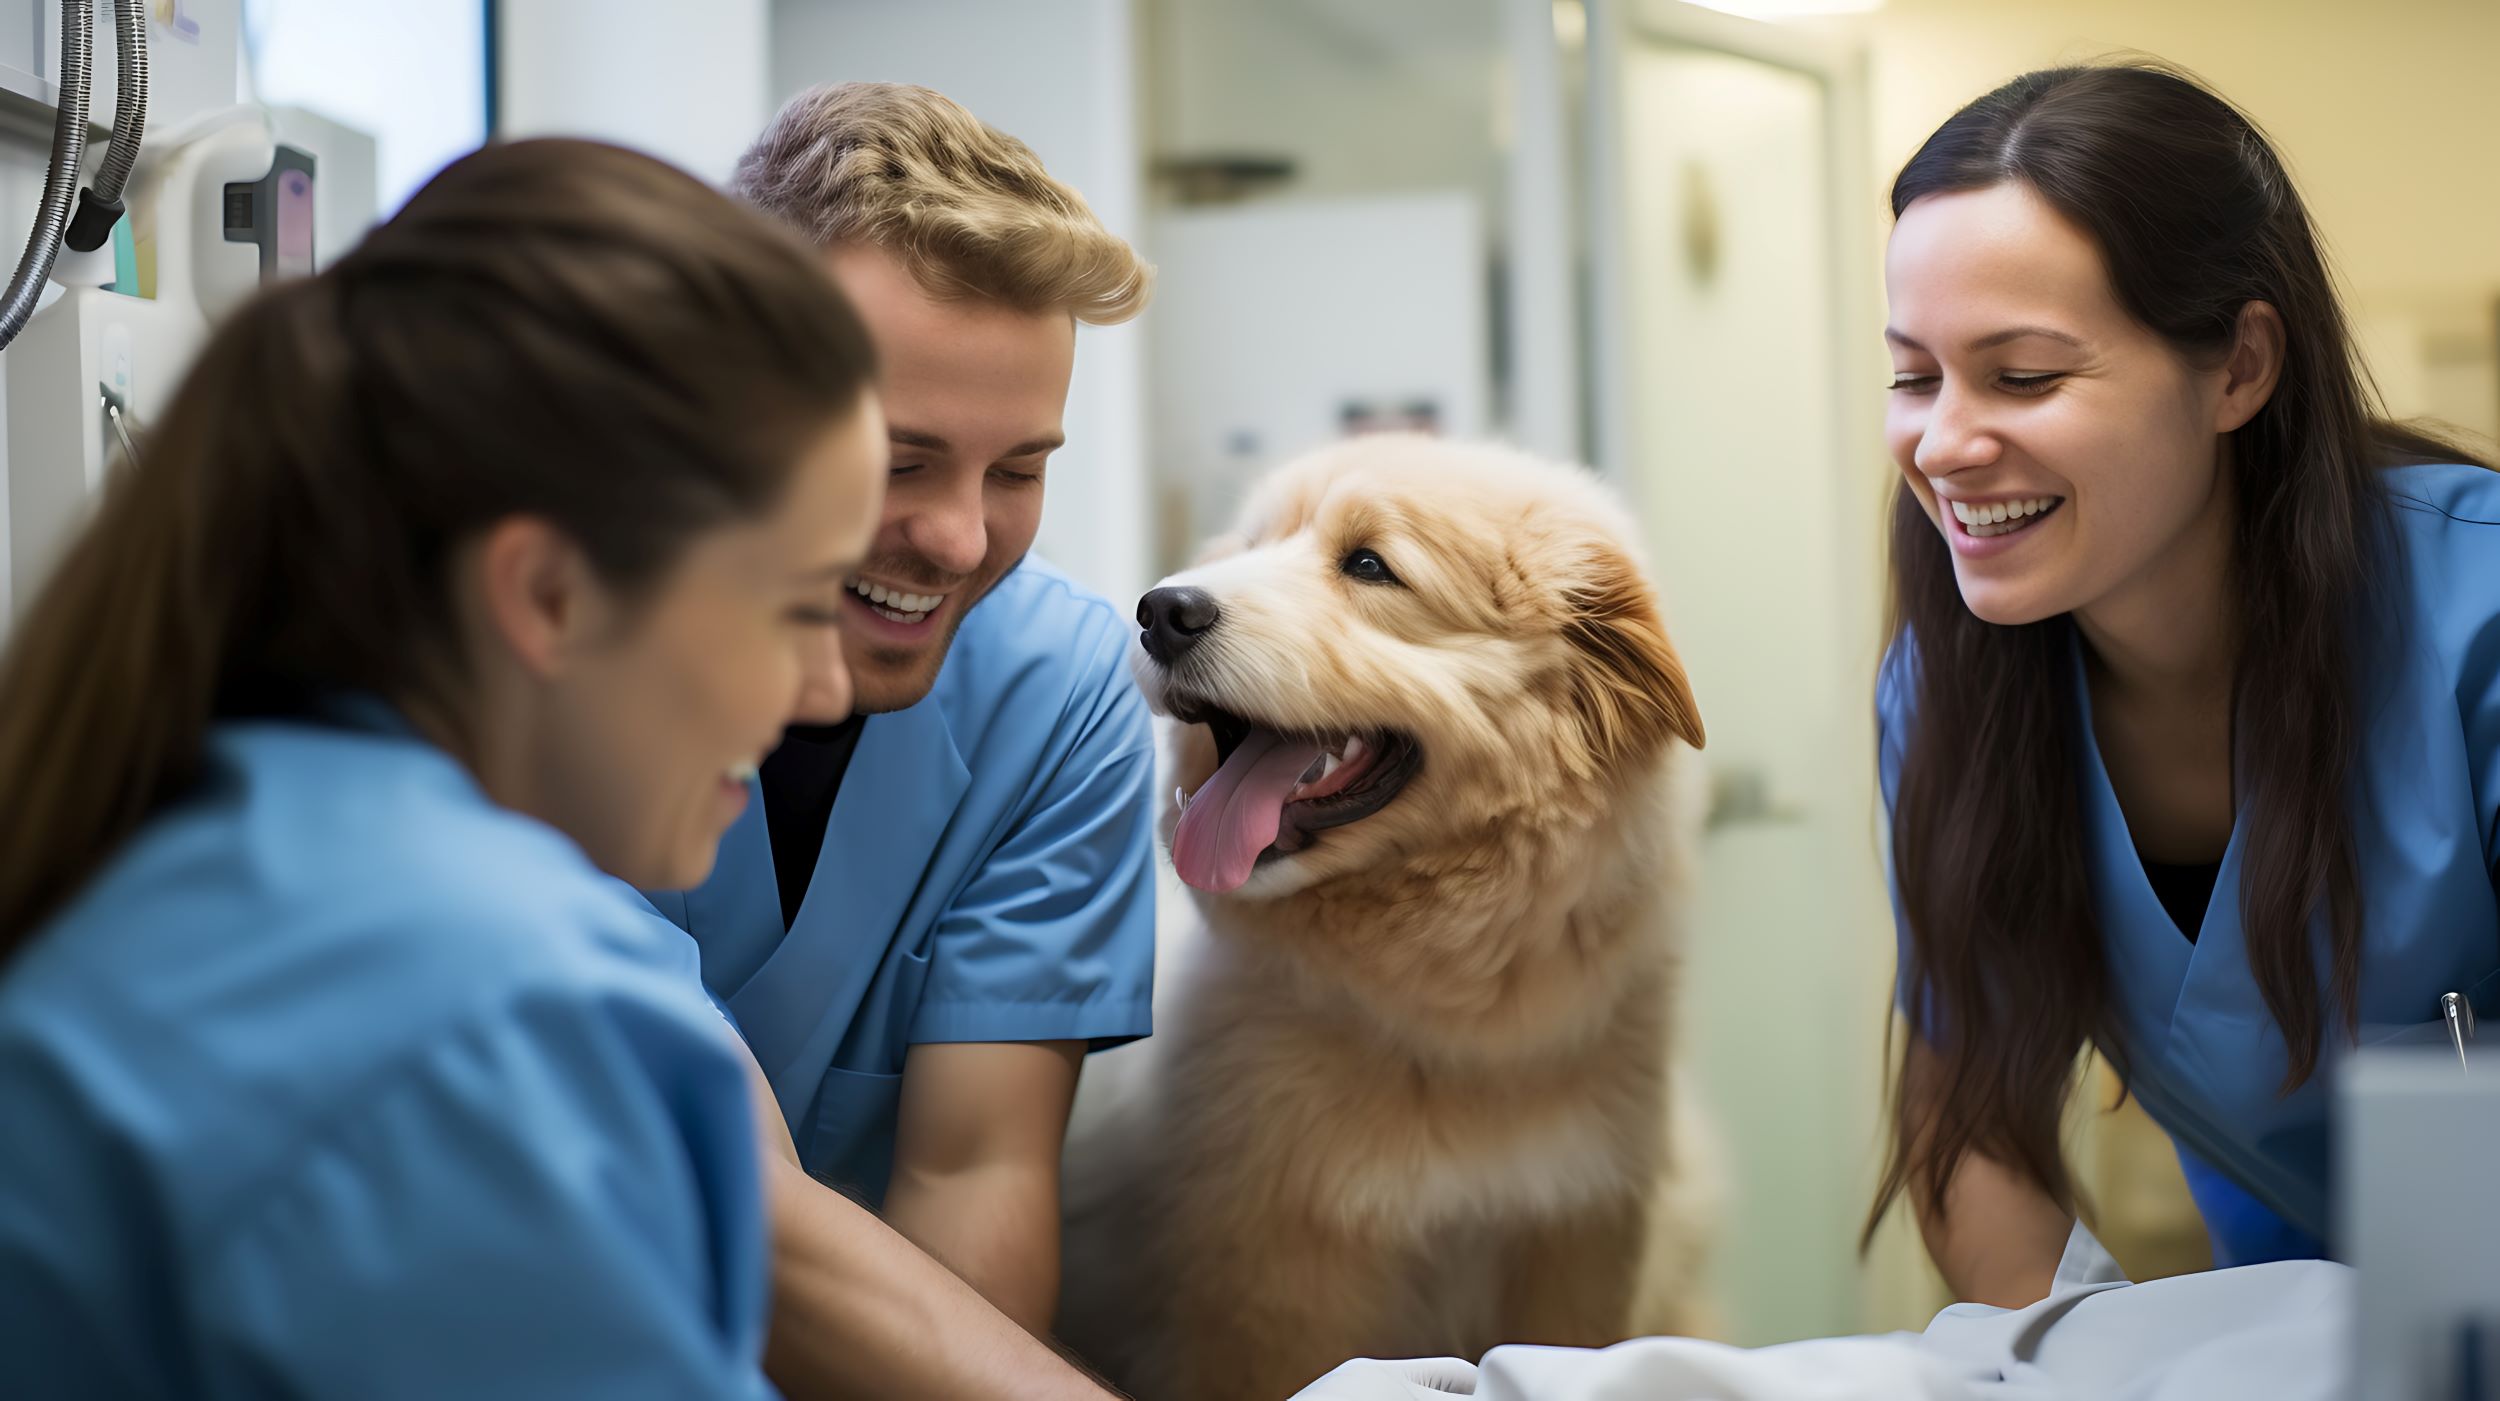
[(508, 1217), (1052, 939)]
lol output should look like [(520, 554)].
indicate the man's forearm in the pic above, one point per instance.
[(859, 1311), (996, 1226)]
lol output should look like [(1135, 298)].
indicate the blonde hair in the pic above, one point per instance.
[(968, 208)]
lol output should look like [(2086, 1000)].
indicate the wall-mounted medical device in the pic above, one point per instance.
[(216, 211), (221, 198)]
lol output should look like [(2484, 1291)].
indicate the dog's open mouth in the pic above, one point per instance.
[(1274, 789)]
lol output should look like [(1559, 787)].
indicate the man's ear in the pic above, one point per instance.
[(1627, 683)]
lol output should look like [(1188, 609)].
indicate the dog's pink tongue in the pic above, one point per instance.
[(1235, 815)]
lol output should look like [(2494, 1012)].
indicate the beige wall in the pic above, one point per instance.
[(2387, 112)]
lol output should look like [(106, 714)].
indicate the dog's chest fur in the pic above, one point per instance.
[(1342, 1124)]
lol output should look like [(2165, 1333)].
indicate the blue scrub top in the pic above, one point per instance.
[(987, 875), (340, 1080), (2205, 1056)]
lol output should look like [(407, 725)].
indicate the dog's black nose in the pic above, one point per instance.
[(1173, 620)]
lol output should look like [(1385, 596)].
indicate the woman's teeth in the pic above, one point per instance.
[(894, 605), (739, 773), (2001, 517)]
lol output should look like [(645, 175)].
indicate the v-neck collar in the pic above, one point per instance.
[(2156, 974), (900, 792)]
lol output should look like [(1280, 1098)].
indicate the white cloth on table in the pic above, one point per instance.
[(2279, 1332)]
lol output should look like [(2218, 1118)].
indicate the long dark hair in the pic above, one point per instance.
[(2195, 218), (556, 329)]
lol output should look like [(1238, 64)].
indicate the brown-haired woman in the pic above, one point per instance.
[(2191, 720), (456, 581)]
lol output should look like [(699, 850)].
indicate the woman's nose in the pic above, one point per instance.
[(1954, 438), (824, 681)]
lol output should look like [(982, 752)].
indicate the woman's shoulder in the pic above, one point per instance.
[(326, 908), (394, 833), (2455, 504), (2447, 519)]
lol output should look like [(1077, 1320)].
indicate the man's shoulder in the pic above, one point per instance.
[(1039, 607), (1038, 631)]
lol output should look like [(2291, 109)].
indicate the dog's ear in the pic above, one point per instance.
[(1627, 683)]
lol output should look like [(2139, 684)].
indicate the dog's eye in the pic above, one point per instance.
[(1366, 566)]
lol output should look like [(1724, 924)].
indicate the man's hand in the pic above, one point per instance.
[(976, 1166)]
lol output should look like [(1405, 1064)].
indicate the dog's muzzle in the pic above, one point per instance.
[(1170, 622)]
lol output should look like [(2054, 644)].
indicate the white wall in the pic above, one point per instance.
[(424, 106), (1278, 313), (1058, 75), (1365, 96), (686, 82)]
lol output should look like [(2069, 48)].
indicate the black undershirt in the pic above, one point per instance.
[(801, 778), (2184, 891)]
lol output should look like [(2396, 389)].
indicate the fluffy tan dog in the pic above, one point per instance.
[(1408, 1093)]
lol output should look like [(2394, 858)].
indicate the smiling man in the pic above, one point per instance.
[(942, 902)]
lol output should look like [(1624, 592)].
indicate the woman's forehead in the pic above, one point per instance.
[(1977, 263)]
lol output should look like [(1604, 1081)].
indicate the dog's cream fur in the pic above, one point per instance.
[(1408, 1094)]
